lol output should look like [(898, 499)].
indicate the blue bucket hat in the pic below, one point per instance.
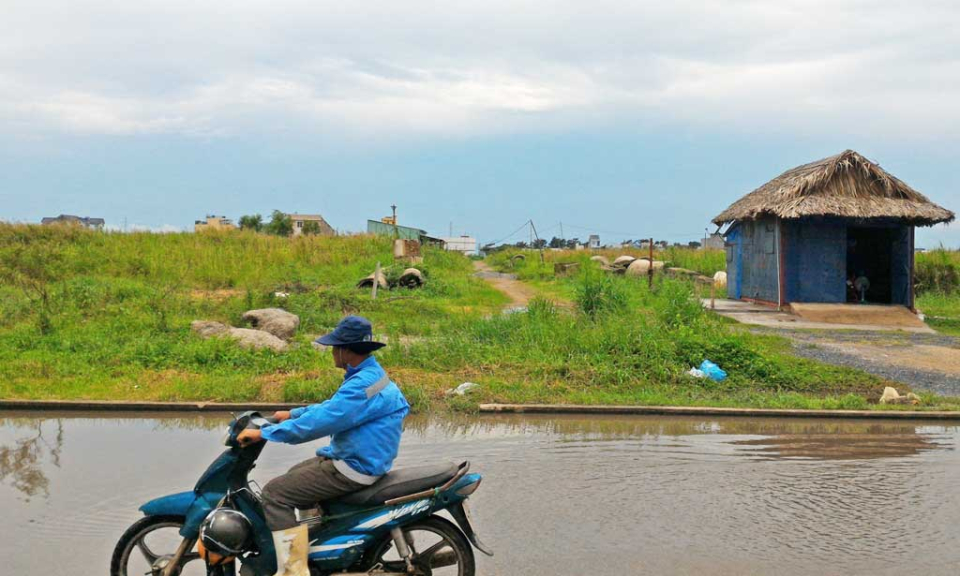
[(354, 331)]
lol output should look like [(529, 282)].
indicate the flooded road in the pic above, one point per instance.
[(561, 495)]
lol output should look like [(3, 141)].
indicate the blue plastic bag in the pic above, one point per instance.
[(713, 371)]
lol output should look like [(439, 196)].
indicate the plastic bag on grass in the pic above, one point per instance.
[(713, 371)]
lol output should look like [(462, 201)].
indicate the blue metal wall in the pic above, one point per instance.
[(815, 260), (758, 273), (902, 267), (734, 249)]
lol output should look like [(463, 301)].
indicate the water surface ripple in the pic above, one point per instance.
[(561, 495)]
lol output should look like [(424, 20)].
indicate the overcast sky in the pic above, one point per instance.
[(633, 120)]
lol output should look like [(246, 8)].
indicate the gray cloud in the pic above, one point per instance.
[(211, 69)]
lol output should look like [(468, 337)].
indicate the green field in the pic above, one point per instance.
[(106, 316)]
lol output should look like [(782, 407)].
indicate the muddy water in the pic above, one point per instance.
[(599, 496)]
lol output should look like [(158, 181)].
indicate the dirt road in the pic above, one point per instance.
[(929, 362), (519, 293)]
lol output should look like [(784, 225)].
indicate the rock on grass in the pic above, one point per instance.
[(246, 337)]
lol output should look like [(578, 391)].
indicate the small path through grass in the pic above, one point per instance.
[(928, 362), (519, 293)]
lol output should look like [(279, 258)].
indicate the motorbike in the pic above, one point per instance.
[(392, 527)]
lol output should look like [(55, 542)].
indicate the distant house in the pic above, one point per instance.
[(714, 242), (463, 244), (212, 222), (593, 242), (403, 232), (816, 231), (91, 223), (299, 220)]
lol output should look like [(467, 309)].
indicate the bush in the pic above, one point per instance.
[(598, 293)]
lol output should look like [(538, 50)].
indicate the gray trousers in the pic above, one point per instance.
[(303, 486)]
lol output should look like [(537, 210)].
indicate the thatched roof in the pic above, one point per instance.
[(846, 185)]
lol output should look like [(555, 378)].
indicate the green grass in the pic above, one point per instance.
[(119, 306)]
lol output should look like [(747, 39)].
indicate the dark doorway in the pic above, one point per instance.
[(870, 257)]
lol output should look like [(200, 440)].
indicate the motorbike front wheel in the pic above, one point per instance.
[(439, 549), (147, 543)]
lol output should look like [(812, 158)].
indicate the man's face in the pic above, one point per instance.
[(337, 356)]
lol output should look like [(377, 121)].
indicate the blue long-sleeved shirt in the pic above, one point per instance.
[(364, 420)]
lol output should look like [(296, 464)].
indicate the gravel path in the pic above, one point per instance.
[(929, 362)]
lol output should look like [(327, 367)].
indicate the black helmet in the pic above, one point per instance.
[(226, 532)]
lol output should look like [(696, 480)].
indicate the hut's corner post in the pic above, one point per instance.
[(780, 272), (912, 259)]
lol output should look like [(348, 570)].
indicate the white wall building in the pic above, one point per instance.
[(464, 244)]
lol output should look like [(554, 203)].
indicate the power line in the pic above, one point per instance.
[(511, 235)]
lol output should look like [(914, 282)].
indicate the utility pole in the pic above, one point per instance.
[(562, 237), (650, 269), (451, 229), (533, 230)]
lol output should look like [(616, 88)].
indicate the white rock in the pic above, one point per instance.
[(276, 321)]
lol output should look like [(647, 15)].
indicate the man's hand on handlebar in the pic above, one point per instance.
[(281, 416), (248, 437)]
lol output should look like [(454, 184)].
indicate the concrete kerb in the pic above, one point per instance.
[(89, 405), (707, 411)]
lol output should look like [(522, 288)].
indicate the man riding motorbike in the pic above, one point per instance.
[(364, 420)]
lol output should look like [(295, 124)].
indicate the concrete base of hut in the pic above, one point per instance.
[(812, 316)]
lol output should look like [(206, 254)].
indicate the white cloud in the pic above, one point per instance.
[(202, 69)]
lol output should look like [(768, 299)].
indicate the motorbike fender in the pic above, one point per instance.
[(463, 520), (192, 506), (171, 505)]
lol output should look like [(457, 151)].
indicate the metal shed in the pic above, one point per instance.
[(816, 231)]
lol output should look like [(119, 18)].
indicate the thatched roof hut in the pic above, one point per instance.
[(846, 185), (811, 233)]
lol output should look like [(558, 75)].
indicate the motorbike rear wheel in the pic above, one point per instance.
[(148, 540), (439, 549)]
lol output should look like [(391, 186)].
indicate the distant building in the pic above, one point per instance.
[(212, 222), (593, 242), (464, 244), (402, 232), (714, 242), (299, 220), (91, 223)]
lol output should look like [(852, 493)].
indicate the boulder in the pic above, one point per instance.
[(891, 396), (623, 261), (641, 267), (720, 280), (276, 321), (246, 337), (209, 328), (601, 259)]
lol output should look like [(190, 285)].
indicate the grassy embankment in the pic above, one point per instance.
[(106, 316), (938, 289), (665, 331)]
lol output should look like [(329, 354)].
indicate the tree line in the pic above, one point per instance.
[(280, 224)]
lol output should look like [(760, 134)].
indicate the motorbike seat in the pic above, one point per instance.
[(401, 482)]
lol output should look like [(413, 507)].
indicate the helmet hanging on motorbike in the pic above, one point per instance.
[(224, 533)]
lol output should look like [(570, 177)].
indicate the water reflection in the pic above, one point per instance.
[(22, 461), (561, 495)]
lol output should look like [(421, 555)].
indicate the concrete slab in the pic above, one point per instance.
[(896, 316), (769, 317)]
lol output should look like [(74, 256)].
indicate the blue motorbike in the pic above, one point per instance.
[(390, 528)]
